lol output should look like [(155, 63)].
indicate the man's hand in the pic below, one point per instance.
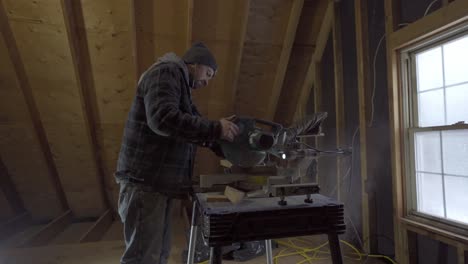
[(229, 129)]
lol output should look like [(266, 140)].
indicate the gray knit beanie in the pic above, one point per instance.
[(200, 54)]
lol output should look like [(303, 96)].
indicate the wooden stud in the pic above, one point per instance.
[(48, 232), (461, 254), (360, 7), (74, 23), (318, 52), (25, 86), (9, 189), (437, 21), (234, 195), (99, 228), (288, 41), (396, 126), (317, 97), (412, 252), (339, 93)]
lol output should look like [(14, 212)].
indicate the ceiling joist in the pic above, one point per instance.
[(289, 37), (75, 26), (322, 38), (26, 89)]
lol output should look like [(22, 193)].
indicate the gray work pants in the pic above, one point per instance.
[(146, 217)]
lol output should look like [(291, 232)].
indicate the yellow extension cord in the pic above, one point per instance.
[(304, 251)]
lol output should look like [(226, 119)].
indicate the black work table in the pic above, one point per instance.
[(224, 223)]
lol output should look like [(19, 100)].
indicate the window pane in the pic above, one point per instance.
[(429, 69), (456, 198), (456, 61), (431, 108), (457, 103), (428, 152), (430, 195), (455, 152)]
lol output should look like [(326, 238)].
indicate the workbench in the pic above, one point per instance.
[(224, 223)]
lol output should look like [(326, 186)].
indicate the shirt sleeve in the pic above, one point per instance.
[(162, 97)]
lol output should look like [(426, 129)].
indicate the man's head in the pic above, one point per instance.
[(201, 64)]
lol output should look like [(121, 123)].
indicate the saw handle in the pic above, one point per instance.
[(275, 126)]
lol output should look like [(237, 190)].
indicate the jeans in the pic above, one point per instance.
[(146, 217)]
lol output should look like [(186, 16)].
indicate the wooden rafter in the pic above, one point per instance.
[(9, 189), (74, 23), (288, 41), (25, 86), (142, 19), (244, 21), (189, 23), (49, 231), (98, 229), (322, 38)]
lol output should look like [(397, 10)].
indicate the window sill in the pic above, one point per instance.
[(447, 233)]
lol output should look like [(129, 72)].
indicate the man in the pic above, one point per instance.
[(156, 157)]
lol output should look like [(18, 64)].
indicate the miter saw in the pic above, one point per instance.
[(262, 143)]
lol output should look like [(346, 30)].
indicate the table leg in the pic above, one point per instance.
[(269, 251), (216, 255), (193, 235), (335, 248)]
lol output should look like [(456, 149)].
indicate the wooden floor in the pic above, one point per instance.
[(111, 247)]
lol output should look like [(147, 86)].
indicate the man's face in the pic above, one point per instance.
[(202, 74)]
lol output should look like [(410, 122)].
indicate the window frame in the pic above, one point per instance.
[(408, 78)]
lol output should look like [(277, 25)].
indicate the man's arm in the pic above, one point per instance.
[(162, 94)]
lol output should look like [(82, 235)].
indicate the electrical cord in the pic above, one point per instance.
[(305, 251)]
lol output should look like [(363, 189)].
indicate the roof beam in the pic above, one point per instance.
[(74, 23), (237, 66), (25, 86), (322, 38), (289, 37), (9, 189), (99, 228), (49, 231), (189, 23), (142, 18)]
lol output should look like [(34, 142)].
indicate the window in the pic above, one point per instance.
[(436, 117)]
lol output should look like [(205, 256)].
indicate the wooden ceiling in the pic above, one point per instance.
[(68, 70)]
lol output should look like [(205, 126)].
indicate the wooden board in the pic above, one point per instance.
[(266, 30), (19, 238), (19, 143), (49, 69), (115, 232), (109, 33), (71, 234)]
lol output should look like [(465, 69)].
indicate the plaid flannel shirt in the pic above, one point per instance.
[(162, 127)]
